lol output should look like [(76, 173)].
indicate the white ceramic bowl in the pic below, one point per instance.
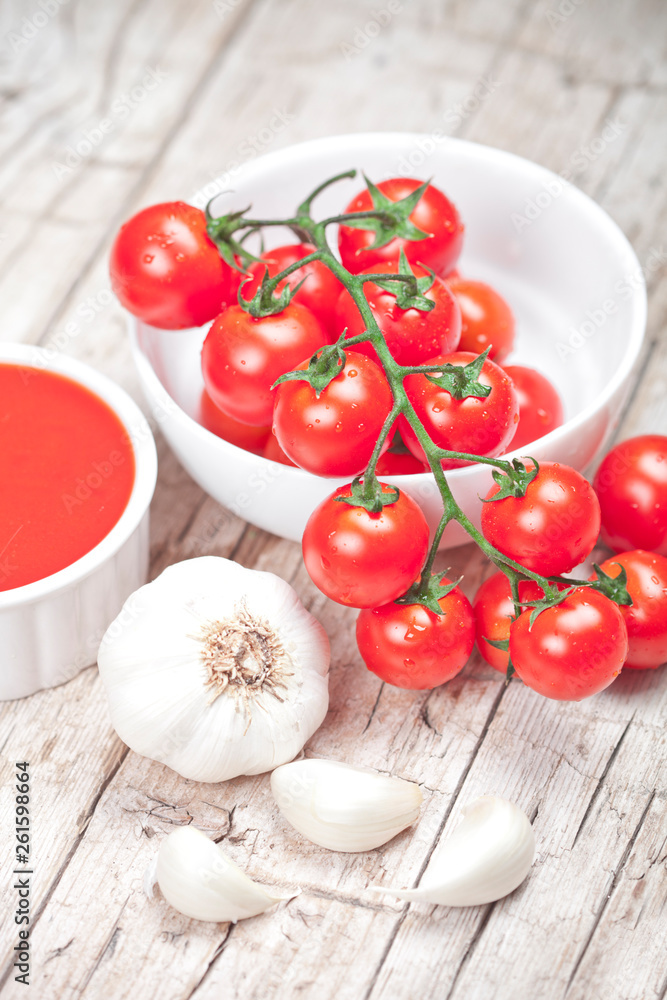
[(566, 269), (51, 629)]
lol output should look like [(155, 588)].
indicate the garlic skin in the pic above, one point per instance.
[(199, 880), (215, 670), (344, 808), (487, 856)]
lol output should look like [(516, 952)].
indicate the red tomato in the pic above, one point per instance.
[(434, 214), (335, 434), (399, 463), (412, 335), (274, 452), (362, 559), (494, 609), (242, 435), (242, 357), (631, 485), (166, 271), (540, 408), (319, 291), (476, 425), (552, 528), (646, 618), (411, 647), (485, 318), (572, 650)]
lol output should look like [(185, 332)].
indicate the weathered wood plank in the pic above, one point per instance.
[(588, 770), (129, 85)]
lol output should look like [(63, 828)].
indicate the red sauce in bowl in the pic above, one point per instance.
[(66, 473)]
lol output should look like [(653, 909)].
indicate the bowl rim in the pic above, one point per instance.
[(145, 478), (357, 142)]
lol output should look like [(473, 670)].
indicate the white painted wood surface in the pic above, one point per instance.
[(591, 921)]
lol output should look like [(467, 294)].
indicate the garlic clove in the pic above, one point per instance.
[(199, 880), (487, 856), (344, 808)]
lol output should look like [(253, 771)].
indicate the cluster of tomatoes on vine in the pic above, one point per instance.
[(290, 372)]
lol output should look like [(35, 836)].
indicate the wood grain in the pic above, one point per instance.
[(589, 922)]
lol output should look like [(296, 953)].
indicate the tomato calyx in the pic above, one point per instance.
[(411, 292), (324, 366), (221, 232), (393, 217), (503, 644), (514, 481), (613, 587), (550, 600), (370, 495), (461, 381), (430, 593), (265, 301)]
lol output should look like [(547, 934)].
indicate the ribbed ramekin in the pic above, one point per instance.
[(51, 629)]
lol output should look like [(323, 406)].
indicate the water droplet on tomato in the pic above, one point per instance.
[(339, 426), (352, 373), (149, 258), (408, 662)]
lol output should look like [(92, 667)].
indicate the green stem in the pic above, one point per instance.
[(315, 233), (369, 474)]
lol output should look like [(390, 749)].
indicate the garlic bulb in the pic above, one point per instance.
[(199, 880), (344, 808), (488, 855), (215, 670)]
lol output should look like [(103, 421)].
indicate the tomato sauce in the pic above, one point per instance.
[(66, 473)]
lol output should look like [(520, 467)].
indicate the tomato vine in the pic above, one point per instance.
[(390, 220)]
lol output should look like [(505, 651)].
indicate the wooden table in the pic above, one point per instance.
[(190, 88)]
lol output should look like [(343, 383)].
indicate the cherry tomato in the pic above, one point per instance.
[(552, 528), (494, 610), (646, 618), (319, 291), (334, 434), (540, 407), (631, 485), (242, 357), (573, 649), (274, 452), (399, 463), (412, 335), (434, 214), (242, 435), (166, 271), (411, 647), (486, 319), (362, 559), (476, 425)]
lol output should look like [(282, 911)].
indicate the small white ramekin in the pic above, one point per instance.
[(51, 629)]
